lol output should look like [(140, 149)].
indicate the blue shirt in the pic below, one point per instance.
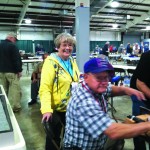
[(86, 119), (66, 65)]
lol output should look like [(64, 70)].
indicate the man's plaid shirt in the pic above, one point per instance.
[(86, 120)]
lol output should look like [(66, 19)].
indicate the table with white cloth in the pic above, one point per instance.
[(114, 57), (133, 60), (125, 67), (32, 61)]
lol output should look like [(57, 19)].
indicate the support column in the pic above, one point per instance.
[(82, 32)]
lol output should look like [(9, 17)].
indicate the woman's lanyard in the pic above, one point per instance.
[(67, 67), (100, 98)]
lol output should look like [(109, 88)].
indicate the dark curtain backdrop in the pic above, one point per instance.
[(25, 45), (48, 46)]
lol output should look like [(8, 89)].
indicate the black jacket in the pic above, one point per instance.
[(105, 50), (142, 72), (10, 59)]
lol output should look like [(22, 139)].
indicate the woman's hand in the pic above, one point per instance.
[(34, 80), (46, 116)]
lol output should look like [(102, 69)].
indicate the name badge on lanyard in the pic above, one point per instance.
[(74, 86)]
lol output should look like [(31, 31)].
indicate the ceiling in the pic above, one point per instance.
[(59, 15)]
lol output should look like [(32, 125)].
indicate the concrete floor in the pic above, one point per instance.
[(29, 119)]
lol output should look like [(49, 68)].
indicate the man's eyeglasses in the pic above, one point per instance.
[(101, 78)]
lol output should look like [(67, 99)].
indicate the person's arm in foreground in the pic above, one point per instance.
[(121, 90), (120, 130), (126, 130), (143, 88)]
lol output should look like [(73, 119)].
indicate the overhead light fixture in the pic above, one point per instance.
[(28, 21), (148, 28), (128, 17), (112, 17), (114, 4), (147, 18), (65, 12), (115, 26)]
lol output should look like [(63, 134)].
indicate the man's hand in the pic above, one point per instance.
[(121, 90), (138, 94)]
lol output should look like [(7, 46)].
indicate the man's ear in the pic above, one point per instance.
[(85, 76)]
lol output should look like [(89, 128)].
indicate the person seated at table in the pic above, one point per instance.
[(97, 49), (136, 49), (120, 49), (39, 49), (35, 80), (105, 50), (111, 48), (146, 48), (129, 49), (88, 124), (114, 49)]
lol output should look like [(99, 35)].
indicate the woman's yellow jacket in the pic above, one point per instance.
[(55, 86)]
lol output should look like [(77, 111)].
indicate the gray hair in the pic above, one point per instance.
[(64, 37), (107, 42), (11, 34)]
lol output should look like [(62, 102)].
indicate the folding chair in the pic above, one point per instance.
[(115, 80), (120, 71), (144, 110), (49, 128), (130, 72), (114, 144)]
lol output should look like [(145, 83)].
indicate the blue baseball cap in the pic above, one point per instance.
[(97, 65)]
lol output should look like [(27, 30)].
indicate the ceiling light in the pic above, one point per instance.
[(28, 21), (115, 25), (148, 28), (114, 4), (128, 16), (113, 17), (147, 18)]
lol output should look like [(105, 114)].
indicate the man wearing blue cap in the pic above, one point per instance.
[(87, 123)]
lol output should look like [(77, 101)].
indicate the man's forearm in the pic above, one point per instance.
[(118, 91), (126, 130)]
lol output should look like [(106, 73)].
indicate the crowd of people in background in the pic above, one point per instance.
[(129, 49)]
